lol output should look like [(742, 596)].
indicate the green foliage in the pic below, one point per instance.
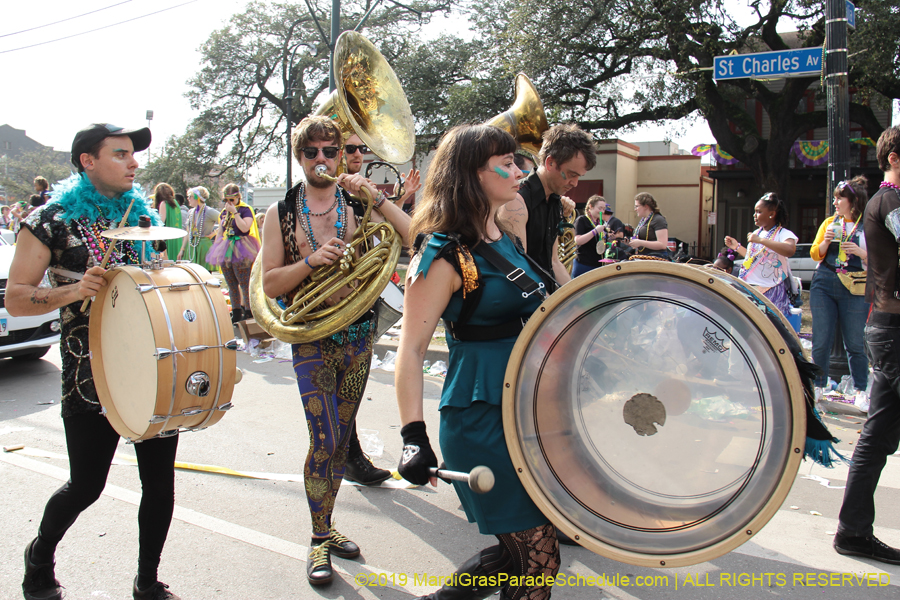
[(17, 173), (184, 162), (269, 48)]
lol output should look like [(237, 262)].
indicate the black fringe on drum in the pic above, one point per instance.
[(819, 441)]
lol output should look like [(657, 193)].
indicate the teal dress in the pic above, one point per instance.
[(471, 431)]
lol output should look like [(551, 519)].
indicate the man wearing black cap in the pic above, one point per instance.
[(64, 238), (614, 226)]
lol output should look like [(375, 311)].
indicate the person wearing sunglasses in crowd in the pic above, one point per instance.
[(235, 249), (360, 468), (354, 151), (306, 231)]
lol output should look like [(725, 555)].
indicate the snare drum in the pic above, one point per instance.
[(162, 350), (388, 308)]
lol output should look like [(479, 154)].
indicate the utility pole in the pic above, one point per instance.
[(149, 118), (836, 83)]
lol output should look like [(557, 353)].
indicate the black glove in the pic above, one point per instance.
[(417, 454)]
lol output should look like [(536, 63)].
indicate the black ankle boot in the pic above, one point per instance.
[(237, 314), (40, 580), (487, 563)]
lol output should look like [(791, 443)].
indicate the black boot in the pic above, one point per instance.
[(486, 564), (40, 580), (237, 314)]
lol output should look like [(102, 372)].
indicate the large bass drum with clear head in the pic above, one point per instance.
[(653, 412)]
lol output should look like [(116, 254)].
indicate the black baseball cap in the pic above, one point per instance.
[(88, 137)]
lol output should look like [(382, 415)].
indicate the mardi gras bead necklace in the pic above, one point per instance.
[(755, 250), (197, 226), (305, 213)]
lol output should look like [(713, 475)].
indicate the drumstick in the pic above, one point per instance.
[(109, 250), (480, 480)]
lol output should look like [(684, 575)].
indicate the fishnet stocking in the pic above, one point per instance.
[(534, 552)]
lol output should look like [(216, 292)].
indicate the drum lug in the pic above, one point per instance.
[(157, 419), (196, 348), (231, 345), (145, 287), (179, 287), (163, 353), (166, 434), (226, 406), (190, 412), (213, 282), (197, 384)]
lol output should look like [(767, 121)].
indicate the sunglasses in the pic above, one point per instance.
[(310, 152), (845, 186), (352, 148), (231, 198)]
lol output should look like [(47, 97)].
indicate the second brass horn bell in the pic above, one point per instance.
[(370, 102), (525, 120)]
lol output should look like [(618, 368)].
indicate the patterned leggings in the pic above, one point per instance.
[(534, 552), (237, 276), (331, 375)]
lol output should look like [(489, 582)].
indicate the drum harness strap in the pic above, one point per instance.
[(462, 330)]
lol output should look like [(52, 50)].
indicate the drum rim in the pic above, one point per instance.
[(780, 351)]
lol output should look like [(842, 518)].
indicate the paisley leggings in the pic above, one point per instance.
[(331, 374)]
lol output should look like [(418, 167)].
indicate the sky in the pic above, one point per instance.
[(115, 75)]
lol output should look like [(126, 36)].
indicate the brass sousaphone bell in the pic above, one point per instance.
[(525, 120), (369, 102)]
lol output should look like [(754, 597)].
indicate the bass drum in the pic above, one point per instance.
[(654, 414), (163, 353)]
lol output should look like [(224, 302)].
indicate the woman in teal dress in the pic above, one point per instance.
[(472, 175)]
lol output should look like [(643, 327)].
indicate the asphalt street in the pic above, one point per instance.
[(236, 537)]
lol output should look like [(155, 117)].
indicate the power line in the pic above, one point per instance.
[(64, 20), (98, 28)]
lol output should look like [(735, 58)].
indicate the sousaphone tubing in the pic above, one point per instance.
[(653, 412)]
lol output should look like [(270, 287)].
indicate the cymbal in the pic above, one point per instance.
[(144, 233)]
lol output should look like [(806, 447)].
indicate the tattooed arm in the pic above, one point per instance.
[(515, 215), (24, 297)]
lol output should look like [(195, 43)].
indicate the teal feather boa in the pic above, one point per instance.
[(79, 198)]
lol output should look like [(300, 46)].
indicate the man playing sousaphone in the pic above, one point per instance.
[(307, 230)]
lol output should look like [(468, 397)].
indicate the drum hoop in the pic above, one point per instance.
[(780, 351)]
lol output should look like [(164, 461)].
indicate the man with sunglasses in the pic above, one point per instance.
[(307, 230), (359, 466), (354, 151)]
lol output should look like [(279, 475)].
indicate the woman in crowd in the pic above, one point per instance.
[(170, 213), (765, 264), (651, 236), (201, 226), (472, 175), (840, 249), (235, 248), (590, 237)]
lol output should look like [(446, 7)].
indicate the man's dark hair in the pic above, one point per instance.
[(36, 200), (180, 199), (888, 141), (563, 142)]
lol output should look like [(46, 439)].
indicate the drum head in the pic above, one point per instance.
[(654, 414)]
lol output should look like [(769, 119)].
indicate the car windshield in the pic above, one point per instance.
[(802, 251)]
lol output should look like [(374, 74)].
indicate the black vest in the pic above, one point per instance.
[(544, 215)]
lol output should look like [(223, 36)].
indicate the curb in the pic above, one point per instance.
[(433, 354)]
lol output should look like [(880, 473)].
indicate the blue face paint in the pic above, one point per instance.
[(501, 173), (563, 175)]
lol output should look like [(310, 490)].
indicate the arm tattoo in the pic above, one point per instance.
[(40, 296)]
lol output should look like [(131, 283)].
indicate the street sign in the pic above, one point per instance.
[(851, 14), (769, 65)]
